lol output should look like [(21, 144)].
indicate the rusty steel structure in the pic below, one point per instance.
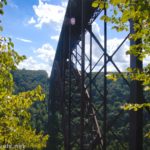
[(73, 115)]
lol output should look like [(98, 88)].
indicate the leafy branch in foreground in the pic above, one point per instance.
[(15, 128), (124, 11)]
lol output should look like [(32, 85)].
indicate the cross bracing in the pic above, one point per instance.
[(80, 119)]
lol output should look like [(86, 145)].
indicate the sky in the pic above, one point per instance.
[(34, 27)]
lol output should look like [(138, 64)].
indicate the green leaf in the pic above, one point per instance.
[(95, 4), (115, 12), (1, 12), (1, 28), (102, 5), (1, 5)]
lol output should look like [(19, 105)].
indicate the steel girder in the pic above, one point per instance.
[(72, 108)]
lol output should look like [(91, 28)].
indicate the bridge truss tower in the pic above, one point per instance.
[(79, 109)]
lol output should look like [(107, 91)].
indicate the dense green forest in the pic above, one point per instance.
[(118, 95), (26, 80), (17, 126)]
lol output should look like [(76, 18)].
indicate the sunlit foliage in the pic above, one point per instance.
[(138, 12), (15, 128)]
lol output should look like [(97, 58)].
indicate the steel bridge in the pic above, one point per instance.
[(75, 121)]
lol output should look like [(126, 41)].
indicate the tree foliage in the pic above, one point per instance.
[(15, 128), (137, 11), (123, 12), (118, 93), (25, 80)]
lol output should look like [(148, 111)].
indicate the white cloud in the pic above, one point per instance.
[(120, 58), (146, 61), (55, 37), (97, 31), (31, 21), (48, 14), (64, 3), (46, 53), (43, 59), (24, 40), (31, 63)]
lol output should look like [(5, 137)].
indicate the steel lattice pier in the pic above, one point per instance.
[(72, 108)]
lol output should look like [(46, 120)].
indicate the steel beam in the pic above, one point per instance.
[(82, 74), (105, 83), (136, 96), (94, 125)]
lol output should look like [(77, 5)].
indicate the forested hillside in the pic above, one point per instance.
[(27, 80), (118, 95)]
